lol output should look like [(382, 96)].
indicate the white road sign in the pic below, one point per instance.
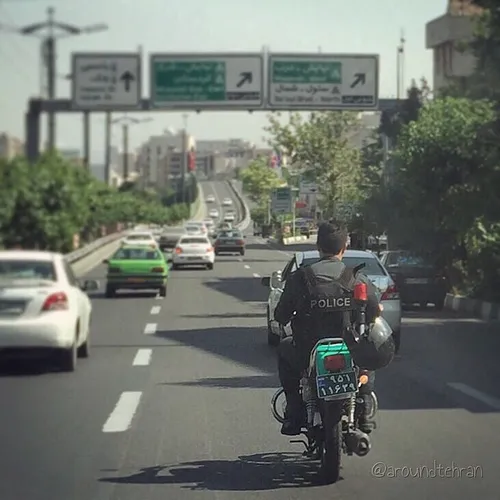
[(207, 81), (106, 81), (323, 81)]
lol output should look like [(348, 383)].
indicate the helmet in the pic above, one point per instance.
[(375, 350)]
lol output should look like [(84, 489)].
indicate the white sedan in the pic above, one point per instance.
[(43, 306), (214, 213), (229, 217), (139, 238), (210, 198), (227, 202), (195, 227), (193, 251)]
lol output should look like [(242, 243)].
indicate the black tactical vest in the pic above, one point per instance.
[(328, 303)]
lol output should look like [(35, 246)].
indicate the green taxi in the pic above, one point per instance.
[(137, 267)]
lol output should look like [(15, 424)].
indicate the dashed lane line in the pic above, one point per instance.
[(255, 275), (155, 310), (143, 357), (486, 399), (121, 417), (247, 267), (150, 329)]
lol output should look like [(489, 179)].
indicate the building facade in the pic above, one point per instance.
[(10, 146), (446, 36)]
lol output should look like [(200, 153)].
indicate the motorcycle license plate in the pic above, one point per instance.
[(336, 384)]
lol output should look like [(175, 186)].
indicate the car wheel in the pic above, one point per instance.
[(242, 252), (216, 253), (68, 358), (272, 339), (175, 266), (397, 340), (110, 292), (210, 267), (163, 291), (84, 349), (439, 305)]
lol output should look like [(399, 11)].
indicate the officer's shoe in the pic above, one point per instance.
[(292, 425), (367, 421)]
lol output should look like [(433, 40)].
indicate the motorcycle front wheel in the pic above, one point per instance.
[(331, 453)]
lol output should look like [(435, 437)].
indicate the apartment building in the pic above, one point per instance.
[(10, 146), (446, 36)]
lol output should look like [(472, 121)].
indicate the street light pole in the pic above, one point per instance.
[(126, 121), (49, 52), (184, 158)]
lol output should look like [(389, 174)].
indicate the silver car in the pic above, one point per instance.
[(376, 272)]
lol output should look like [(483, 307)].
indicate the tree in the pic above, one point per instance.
[(259, 180), (447, 179), (45, 204), (319, 148)]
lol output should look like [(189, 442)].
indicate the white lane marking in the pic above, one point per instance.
[(150, 329), (255, 275), (240, 259), (155, 310), (143, 357), (474, 393), (217, 201), (123, 413), (247, 267), (159, 297)]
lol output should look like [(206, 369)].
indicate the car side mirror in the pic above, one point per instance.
[(90, 286), (266, 281), (105, 261)]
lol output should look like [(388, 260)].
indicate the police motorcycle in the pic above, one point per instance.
[(338, 368)]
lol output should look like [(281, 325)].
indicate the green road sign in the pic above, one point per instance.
[(323, 81), (306, 72), (197, 81), (281, 201)]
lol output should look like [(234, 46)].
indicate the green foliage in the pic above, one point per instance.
[(259, 180), (318, 147), (447, 182), (45, 204)]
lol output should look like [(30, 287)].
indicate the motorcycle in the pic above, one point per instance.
[(332, 405)]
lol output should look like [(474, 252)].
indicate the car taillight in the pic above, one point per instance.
[(334, 363), (210, 249), (361, 292), (158, 269), (178, 250), (391, 293), (240, 242), (56, 302)]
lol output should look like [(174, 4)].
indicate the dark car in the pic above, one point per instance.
[(169, 237), (417, 278), (230, 241)]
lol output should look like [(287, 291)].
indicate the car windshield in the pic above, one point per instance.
[(139, 236), (172, 230), (27, 269), (195, 241), (137, 254), (372, 267)]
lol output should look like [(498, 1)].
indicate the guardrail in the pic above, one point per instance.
[(245, 211), (86, 250)]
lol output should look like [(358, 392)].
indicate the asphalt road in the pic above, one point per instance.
[(174, 404)]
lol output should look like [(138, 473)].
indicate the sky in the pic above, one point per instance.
[(293, 26)]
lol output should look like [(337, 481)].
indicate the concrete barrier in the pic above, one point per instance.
[(488, 311), (292, 240), (245, 211)]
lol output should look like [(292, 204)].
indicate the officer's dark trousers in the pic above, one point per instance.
[(291, 364)]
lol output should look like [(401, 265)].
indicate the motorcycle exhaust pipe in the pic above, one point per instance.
[(358, 442)]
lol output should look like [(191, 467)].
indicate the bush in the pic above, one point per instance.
[(45, 204)]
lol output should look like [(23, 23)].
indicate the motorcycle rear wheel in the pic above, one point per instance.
[(331, 453)]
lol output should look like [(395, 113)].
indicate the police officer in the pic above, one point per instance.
[(293, 352)]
